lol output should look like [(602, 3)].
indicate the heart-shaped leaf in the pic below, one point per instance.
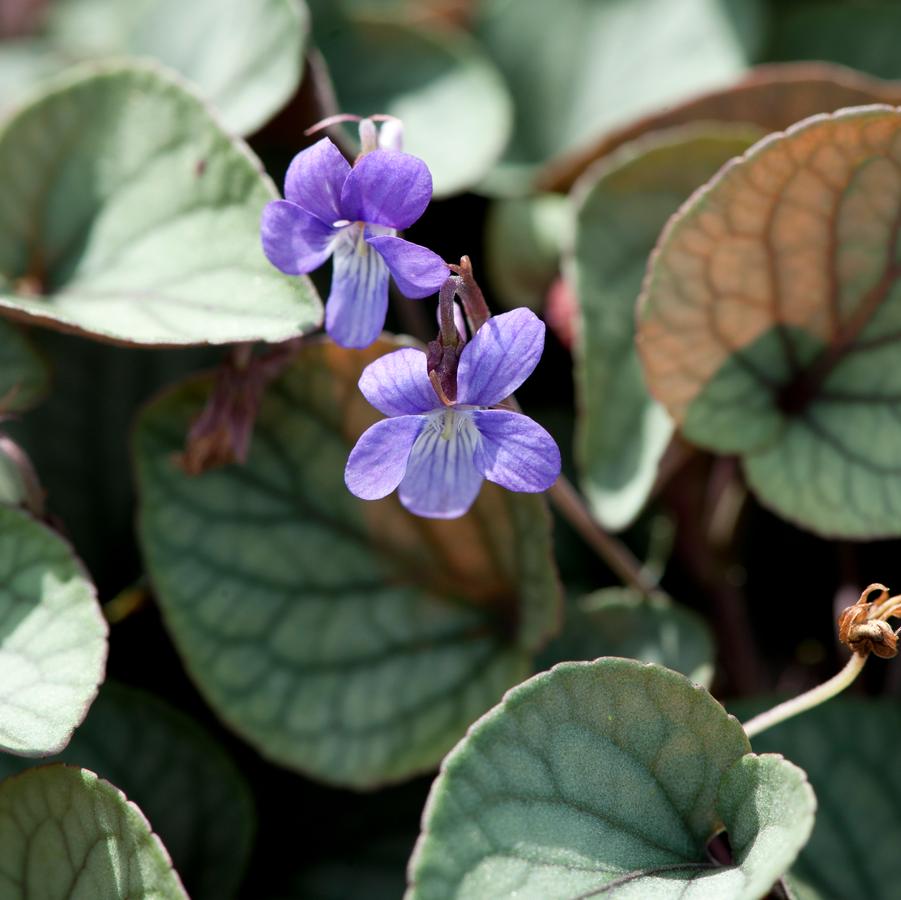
[(771, 97), (129, 215), (580, 67), (52, 638), (247, 58), (847, 748), (64, 832), (621, 207), (455, 106), (621, 622), (350, 640), (608, 777), (769, 321), (24, 378), (182, 780)]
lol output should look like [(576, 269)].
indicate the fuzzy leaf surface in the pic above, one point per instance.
[(65, 833), (129, 215), (52, 638), (608, 776)]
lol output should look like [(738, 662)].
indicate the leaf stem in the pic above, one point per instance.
[(569, 503), (812, 698)]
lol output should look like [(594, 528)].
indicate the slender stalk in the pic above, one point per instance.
[(614, 553), (820, 694)]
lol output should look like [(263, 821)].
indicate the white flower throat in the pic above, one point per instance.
[(451, 424)]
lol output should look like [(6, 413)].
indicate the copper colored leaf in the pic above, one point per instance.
[(772, 97), (772, 315)]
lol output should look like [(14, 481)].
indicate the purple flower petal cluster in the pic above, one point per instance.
[(353, 215), (437, 455)]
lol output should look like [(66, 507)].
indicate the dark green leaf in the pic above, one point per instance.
[(350, 640), (621, 622), (191, 792), (847, 747)]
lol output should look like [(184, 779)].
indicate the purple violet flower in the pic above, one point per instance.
[(438, 455), (353, 215)]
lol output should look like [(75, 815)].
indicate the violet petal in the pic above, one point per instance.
[(500, 357), (378, 462), (387, 187), (442, 480), (397, 384), (294, 241), (358, 300), (514, 451), (315, 180), (418, 271)]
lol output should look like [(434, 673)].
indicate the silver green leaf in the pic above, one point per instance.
[(66, 834), (52, 638), (608, 777), (130, 215)]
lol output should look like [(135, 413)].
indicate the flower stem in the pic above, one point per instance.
[(614, 553), (820, 694)]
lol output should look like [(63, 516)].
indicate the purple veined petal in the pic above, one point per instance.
[(358, 300), (514, 451), (378, 462), (294, 240), (315, 180), (397, 384), (418, 271), (442, 480), (387, 187), (500, 357)]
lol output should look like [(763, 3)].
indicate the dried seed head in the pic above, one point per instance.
[(863, 626)]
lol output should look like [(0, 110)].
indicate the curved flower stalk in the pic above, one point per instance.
[(353, 215), (437, 453)]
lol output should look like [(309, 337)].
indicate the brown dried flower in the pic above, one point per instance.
[(863, 626)]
